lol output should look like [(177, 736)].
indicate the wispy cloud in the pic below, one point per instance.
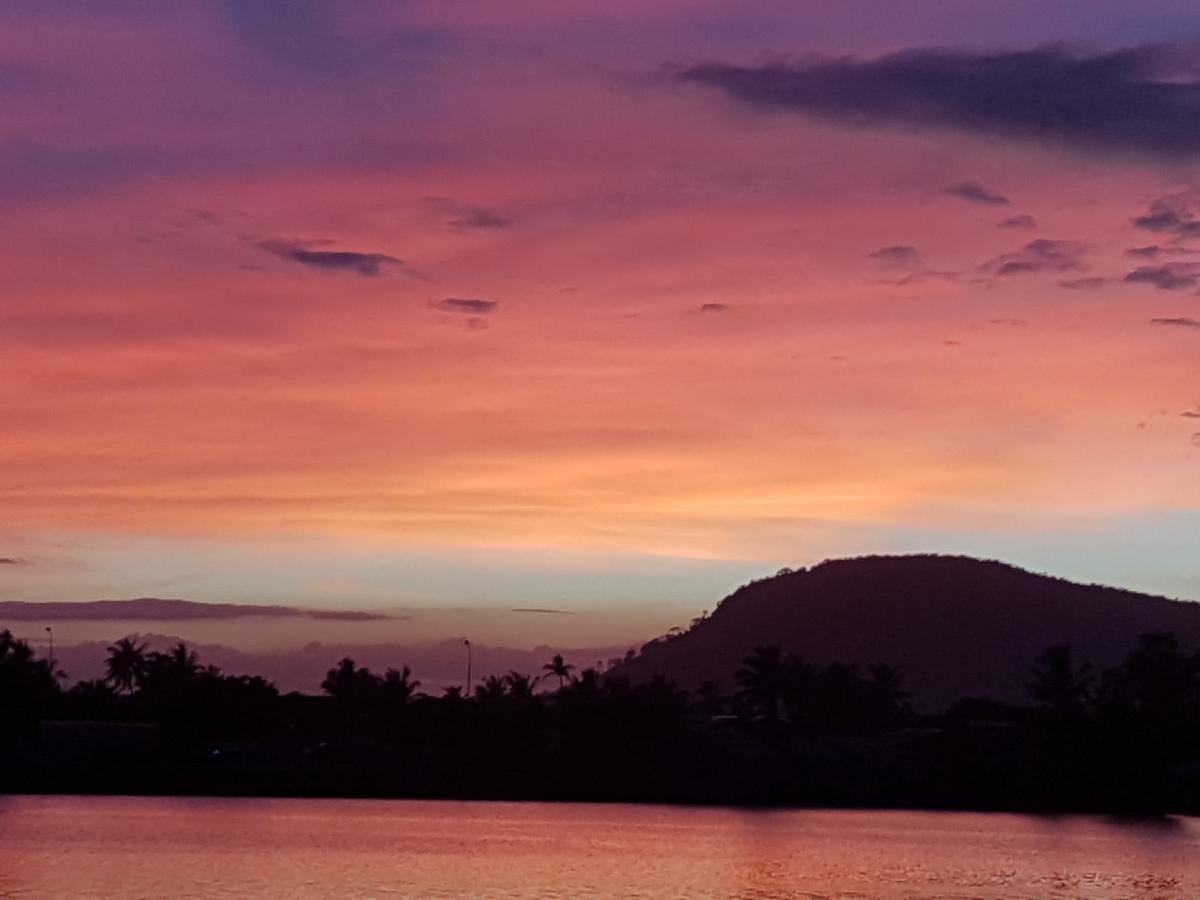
[(924, 275), (1173, 214), (713, 307), (1020, 221), (371, 265), (1083, 284), (1167, 277), (897, 255), (1148, 252), (974, 192), (541, 610), (1140, 98), (1041, 255), (13, 561), (1176, 321), (478, 217), (155, 609), (469, 306)]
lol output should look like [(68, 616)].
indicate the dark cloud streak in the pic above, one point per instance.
[(924, 275), (1144, 99), (1020, 221), (370, 265), (1041, 255), (1083, 284), (1171, 215), (466, 305), (476, 217), (541, 610), (897, 254), (155, 609), (1169, 277), (974, 192)]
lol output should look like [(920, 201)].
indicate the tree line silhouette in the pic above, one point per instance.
[(789, 731)]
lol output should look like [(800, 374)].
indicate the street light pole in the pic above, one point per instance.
[(50, 631), (468, 645)]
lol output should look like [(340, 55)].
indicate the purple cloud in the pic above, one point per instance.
[(466, 305)]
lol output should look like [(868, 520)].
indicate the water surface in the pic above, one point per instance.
[(127, 847)]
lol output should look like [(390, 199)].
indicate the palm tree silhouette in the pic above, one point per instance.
[(17, 660), (14, 651), (347, 681), (182, 662), (97, 689), (763, 679), (1057, 684), (519, 685), (399, 685), (166, 674), (494, 687), (559, 668), (709, 699), (1159, 683), (27, 685), (888, 682), (126, 663)]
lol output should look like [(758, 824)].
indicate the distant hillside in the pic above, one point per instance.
[(436, 664), (956, 626)]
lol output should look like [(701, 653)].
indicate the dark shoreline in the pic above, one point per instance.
[(1117, 815), (870, 774), (795, 735)]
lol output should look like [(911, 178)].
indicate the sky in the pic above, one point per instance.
[(458, 308)]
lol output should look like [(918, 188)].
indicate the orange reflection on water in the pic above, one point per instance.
[(215, 848)]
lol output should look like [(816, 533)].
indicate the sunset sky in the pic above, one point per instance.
[(602, 308)]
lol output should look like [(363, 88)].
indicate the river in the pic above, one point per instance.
[(128, 847)]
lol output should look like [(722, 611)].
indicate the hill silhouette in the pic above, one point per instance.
[(955, 626)]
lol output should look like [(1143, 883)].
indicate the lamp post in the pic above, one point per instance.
[(50, 631), (468, 646)]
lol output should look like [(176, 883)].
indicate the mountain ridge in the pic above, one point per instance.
[(955, 625)]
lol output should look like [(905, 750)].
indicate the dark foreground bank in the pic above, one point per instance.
[(961, 766), (1127, 741)]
